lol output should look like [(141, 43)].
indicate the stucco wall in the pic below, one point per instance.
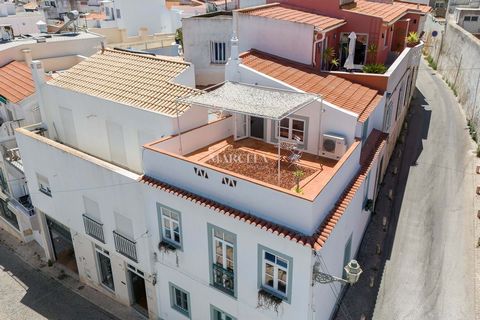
[(460, 68)]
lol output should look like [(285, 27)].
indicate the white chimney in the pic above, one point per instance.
[(38, 75), (27, 54), (232, 68)]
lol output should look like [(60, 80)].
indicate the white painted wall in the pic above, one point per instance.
[(151, 14), (91, 114), (75, 176), (23, 22), (269, 35), (191, 273), (198, 33), (85, 44)]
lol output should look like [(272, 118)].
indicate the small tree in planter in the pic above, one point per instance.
[(267, 300), (298, 174), (374, 68), (412, 39)]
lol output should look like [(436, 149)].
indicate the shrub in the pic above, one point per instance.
[(412, 39), (431, 62), (374, 68)]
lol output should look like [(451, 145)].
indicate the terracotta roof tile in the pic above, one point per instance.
[(16, 81), (341, 92), (389, 12), (372, 149), (288, 13), (141, 81)]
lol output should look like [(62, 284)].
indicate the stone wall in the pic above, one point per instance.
[(458, 61)]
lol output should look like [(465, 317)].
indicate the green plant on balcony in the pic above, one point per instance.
[(330, 59), (179, 36), (412, 39), (298, 174), (374, 68)]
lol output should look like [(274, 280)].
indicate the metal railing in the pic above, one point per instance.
[(25, 207), (93, 228), (223, 279), (125, 246)]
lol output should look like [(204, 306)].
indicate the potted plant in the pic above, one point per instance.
[(374, 68), (267, 300), (412, 39), (329, 58), (372, 52), (298, 174)]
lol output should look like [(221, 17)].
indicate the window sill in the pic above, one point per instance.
[(222, 290), (45, 192), (167, 246)]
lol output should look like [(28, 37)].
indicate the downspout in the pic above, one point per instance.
[(315, 46), (320, 135)]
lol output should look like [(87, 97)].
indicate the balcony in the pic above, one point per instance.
[(14, 158), (93, 228), (125, 246), (200, 168), (23, 205), (223, 279)]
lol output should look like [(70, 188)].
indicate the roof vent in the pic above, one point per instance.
[(40, 39)]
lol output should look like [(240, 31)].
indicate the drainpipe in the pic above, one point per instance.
[(320, 135), (315, 48)]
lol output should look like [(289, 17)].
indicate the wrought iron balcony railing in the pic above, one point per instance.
[(125, 246), (223, 279), (93, 228)]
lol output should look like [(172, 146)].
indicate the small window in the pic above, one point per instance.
[(218, 54), (466, 18), (43, 185), (170, 225), (218, 314), (180, 300), (291, 129), (119, 16), (275, 272), (475, 18)]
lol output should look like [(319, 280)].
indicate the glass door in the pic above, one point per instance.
[(241, 126)]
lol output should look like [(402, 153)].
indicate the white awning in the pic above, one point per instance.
[(252, 100)]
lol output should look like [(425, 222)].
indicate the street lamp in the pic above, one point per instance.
[(352, 272)]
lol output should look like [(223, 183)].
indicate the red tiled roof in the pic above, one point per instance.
[(16, 81), (96, 16), (341, 92), (287, 13), (389, 12), (373, 147)]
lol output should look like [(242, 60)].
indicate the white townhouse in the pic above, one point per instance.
[(239, 237), (83, 161), (19, 107)]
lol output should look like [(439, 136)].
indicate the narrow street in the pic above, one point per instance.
[(430, 271), (26, 293)]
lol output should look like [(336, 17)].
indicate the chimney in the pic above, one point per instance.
[(143, 33), (27, 54), (232, 70), (38, 73), (123, 34)]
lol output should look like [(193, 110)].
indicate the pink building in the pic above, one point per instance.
[(381, 26)]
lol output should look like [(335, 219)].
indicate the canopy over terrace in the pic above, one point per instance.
[(254, 101)]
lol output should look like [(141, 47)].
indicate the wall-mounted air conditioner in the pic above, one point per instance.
[(333, 147)]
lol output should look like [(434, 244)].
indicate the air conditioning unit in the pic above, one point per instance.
[(333, 147)]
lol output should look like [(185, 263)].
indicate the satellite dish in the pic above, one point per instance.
[(434, 33)]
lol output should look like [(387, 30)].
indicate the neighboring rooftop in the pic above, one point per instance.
[(16, 81), (138, 80), (338, 91), (389, 12), (252, 100), (287, 13)]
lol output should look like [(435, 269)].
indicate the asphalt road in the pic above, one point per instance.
[(431, 268), (26, 293)]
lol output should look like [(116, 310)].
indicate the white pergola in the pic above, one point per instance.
[(253, 100)]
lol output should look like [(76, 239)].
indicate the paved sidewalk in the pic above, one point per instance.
[(100, 305)]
